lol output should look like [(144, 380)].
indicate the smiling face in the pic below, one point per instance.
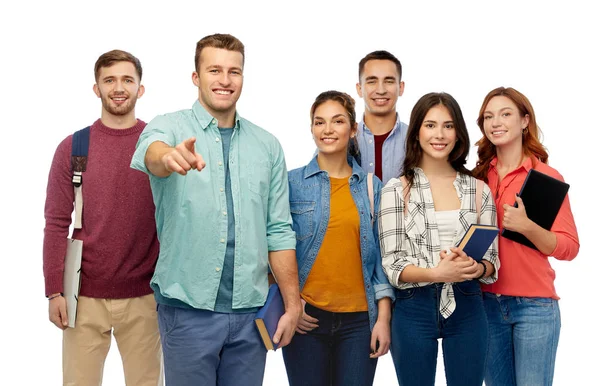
[(437, 135), (332, 128), (219, 79), (380, 87), (502, 122), (118, 86)]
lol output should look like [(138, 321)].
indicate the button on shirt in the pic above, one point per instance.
[(392, 155), (191, 210)]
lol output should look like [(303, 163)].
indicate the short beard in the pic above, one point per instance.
[(119, 110)]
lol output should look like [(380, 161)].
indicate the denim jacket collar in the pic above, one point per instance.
[(313, 168)]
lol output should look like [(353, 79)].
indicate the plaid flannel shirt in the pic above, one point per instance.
[(414, 239)]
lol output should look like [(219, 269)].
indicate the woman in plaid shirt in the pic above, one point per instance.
[(423, 215)]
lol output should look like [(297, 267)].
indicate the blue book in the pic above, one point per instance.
[(267, 317), (477, 240)]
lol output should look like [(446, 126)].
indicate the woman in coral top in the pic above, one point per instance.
[(345, 325), (522, 306)]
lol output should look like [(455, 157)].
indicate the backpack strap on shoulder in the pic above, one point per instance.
[(478, 197), (371, 195), (79, 155)]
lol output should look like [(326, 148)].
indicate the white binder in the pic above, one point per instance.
[(72, 278)]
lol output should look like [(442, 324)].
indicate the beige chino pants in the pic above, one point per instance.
[(134, 324)]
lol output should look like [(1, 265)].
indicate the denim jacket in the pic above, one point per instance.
[(310, 205)]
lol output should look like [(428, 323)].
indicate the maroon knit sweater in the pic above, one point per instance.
[(120, 247)]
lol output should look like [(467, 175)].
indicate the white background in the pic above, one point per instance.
[(547, 50)]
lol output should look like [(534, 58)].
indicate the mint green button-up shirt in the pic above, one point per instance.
[(191, 210)]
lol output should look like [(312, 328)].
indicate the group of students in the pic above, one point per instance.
[(362, 240)]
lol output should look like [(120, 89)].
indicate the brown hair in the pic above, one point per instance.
[(224, 41), (532, 147), (111, 57), (348, 104), (379, 55), (458, 156)]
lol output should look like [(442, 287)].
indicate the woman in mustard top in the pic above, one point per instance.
[(345, 326)]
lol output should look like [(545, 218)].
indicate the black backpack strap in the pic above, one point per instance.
[(79, 155)]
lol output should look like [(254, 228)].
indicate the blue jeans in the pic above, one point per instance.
[(524, 336), (335, 353), (209, 348), (417, 325)]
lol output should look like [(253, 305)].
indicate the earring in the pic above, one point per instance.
[(525, 130)]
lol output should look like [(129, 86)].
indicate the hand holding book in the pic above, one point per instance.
[(285, 329), (515, 217), (57, 310), (274, 323), (454, 267), (268, 316)]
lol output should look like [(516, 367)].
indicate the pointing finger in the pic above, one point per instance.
[(190, 144), (200, 164)]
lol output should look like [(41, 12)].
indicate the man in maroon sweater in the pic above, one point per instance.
[(120, 247)]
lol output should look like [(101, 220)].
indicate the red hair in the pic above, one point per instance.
[(532, 147)]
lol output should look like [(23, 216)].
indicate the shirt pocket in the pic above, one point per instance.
[(302, 217), (259, 178)]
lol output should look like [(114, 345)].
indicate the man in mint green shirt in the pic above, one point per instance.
[(222, 212)]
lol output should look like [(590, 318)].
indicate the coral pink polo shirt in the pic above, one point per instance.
[(525, 271)]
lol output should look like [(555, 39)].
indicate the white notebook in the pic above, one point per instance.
[(72, 278)]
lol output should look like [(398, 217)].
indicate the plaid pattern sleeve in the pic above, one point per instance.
[(489, 217), (392, 231)]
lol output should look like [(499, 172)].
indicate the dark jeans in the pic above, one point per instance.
[(417, 325), (335, 353)]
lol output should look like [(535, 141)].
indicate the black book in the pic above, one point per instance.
[(542, 196)]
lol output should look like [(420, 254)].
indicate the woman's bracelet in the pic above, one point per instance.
[(484, 270), (55, 296)]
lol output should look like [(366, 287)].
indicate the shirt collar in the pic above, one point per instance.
[(313, 168), (205, 119), (363, 128), (527, 163)]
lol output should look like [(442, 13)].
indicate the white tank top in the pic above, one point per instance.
[(447, 221)]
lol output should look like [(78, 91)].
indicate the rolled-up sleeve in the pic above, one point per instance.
[(392, 233), (159, 129), (567, 239), (381, 283), (280, 235), (489, 217)]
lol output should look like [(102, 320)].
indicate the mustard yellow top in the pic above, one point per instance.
[(335, 282)]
